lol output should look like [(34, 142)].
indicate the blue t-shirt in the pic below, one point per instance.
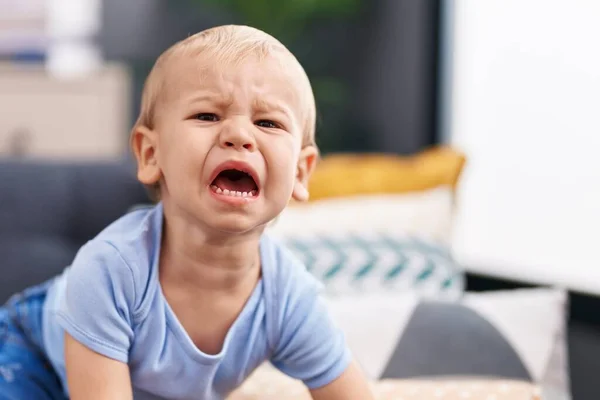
[(110, 300)]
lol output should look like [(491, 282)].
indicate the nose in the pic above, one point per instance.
[(238, 137)]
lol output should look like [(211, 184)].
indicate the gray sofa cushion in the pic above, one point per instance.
[(49, 209), (28, 260)]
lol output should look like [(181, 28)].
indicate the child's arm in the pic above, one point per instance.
[(96, 313), (309, 345), (351, 385), (92, 376)]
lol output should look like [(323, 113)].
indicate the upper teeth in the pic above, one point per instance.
[(233, 193)]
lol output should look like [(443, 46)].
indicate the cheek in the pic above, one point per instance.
[(282, 158), (183, 152)]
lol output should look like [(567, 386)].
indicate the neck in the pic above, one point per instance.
[(216, 261)]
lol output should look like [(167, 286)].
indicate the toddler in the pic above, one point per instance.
[(183, 300)]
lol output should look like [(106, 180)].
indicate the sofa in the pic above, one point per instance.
[(49, 209)]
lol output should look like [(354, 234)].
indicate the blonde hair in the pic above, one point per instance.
[(227, 44)]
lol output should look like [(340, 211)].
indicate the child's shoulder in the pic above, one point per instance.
[(277, 258), (132, 225), (127, 247), (283, 269), (137, 229)]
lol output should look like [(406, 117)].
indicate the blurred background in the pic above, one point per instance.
[(374, 75), (511, 84)]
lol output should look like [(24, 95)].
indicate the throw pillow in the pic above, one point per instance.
[(344, 175), (349, 263), (534, 322), (513, 334), (428, 214)]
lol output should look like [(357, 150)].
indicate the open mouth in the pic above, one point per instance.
[(235, 183)]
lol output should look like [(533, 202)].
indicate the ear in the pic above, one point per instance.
[(306, 165), (144, 143)]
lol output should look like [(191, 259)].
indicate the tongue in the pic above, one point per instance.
[(244, 184)]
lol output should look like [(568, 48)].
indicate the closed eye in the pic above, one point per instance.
[(265, 123), (207, 117)]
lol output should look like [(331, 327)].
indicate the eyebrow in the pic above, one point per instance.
[(215, 97), (264, 106)]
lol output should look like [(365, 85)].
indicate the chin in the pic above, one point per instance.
[(236, 225)]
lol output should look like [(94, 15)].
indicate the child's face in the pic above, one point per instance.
[(228, 143)]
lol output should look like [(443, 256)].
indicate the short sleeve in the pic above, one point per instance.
[(310, 347), (99, 294)]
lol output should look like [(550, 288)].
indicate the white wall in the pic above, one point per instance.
[(525, 106)]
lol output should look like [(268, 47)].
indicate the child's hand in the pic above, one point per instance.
[(351, 385)]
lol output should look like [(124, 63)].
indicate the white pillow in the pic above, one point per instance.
[(532, 321), (392, 242), (427, 214), (372, 325)]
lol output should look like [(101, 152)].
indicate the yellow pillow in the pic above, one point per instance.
[(341, 175)]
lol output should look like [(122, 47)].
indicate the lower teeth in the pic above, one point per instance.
[(232, 193)]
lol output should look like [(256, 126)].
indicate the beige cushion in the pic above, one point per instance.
[(269, 384)]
